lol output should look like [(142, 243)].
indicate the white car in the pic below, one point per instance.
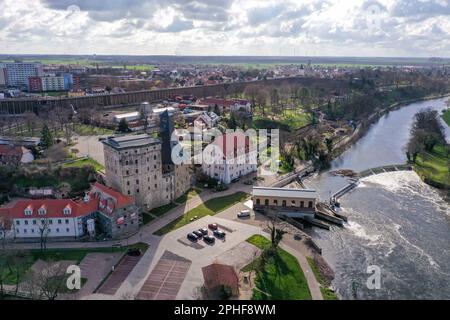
[(244, 214)]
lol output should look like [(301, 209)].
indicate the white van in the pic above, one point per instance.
[(243, 214)]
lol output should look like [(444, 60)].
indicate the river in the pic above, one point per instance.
[(396, 222)]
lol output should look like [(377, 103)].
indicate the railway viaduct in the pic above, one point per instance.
[(18, 106)]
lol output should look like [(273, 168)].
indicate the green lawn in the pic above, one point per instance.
[(282, 278), (326, 293), (85, 162), (25, 182), (189, 195), (210, 207), (434, 167), (87, 130), (146, 218), (163, 209), (446, 117), (77, 255)]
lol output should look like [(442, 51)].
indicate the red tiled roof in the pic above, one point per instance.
[(55, 207), (121, 199), (7, 150), (237, 140), (216, 275)]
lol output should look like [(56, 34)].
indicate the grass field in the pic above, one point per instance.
[(163, 209), (189, 195), (326, 293), (446, 117), (26, 260), (288, 120), (434, 167), (85, 162), (282, 277), (210, 207), (86, 130)]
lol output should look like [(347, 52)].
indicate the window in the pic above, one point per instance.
[(126, 162), (50, 221), (34, 221), (128, 183), (137, 171), (25, 230), (302, 204), (284, 203), (42, 211), (67, 221), (275, 202), (128, 172), (18, 223), (32, 230), (28, 212), (310, 204), (137, 181), (156, 186), (67, 210), (57, 230), (266, 202), (135, 162), (67, 230), (17, 231), (129, 192), (137, 190), (154, 157), (258, 202), (59, 222), (26, 222)]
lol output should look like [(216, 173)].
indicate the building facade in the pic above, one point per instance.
[(17, 73), (133, 165), (284, 199), (15, 155), (230, 157), (53, 83), (112, 214)]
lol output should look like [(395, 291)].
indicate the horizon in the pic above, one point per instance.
[(309, 28)]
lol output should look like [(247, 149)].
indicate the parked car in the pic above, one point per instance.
[(134, 252), (209, 239), (235, 180), (213, 226), (204, 231), (244, 214), (192, 237), (198, 234), (219, 234)]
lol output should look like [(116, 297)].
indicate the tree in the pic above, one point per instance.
[(43, 228), (46, 137), (57, 152), (276, 233), (123, 126)]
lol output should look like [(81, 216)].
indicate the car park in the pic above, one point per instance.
[(213, 226), (198, 233), (219, 234), (209, 239), (192, 237), (244, 214)]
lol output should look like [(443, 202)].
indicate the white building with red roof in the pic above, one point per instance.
[(229, 157), (115, 215)]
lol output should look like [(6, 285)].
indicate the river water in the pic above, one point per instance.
[(396, 222)]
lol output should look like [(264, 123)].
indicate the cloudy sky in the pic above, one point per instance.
[(227, 27)]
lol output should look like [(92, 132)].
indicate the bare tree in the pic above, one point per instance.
[(43, 228), (277, 231), (47, 283)]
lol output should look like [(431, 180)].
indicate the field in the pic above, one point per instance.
[(189, 195), (24, 260), (282, 277), (85, 162), (287, 120), (434, 167), (87, 130), (446, 117), (210, 207)]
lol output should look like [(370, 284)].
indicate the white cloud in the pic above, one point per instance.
[(227, 27)]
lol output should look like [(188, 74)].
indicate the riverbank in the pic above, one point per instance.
[(432, 167), (363, 127)]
